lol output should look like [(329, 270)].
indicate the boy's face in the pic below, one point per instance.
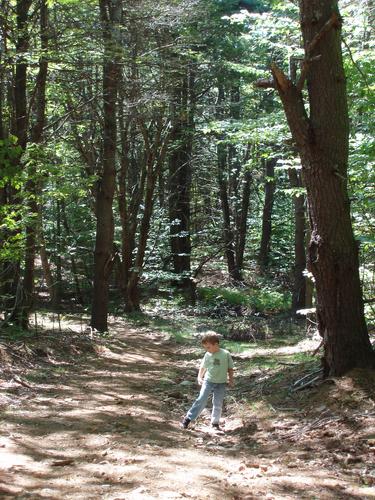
[(210, 347)]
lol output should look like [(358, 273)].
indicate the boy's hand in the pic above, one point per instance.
[(231, 383), (200, 380)]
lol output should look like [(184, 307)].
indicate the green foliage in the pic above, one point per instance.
[(270, 300), (262, 300), (11, 171), (226, 42), (13, 247)]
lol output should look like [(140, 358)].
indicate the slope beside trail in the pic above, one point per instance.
[(107, 428)]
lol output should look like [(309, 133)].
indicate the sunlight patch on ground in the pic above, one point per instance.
[(306, 345)]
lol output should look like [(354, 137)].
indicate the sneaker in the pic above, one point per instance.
[(216, 426), (185, 423)]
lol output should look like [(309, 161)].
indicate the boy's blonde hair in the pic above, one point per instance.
[(210, 338)]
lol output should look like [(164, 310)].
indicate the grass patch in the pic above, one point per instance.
[(14, 333), (236, 347), (178, 329), (277, 361)]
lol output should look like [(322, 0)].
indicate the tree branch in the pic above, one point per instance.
[(265, 84), (333, 22), (294, 107), (282, 81)]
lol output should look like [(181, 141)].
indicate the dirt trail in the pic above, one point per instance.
[(108, 428)]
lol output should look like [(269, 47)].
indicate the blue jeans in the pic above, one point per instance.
[(218, 393)]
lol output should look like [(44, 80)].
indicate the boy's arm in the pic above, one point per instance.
[(201, 373), (230, 377)]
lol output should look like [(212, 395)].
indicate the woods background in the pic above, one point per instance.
[(145, 147)]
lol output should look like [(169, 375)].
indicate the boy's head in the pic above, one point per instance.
[(210, 341)]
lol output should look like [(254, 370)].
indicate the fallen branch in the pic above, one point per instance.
[(307, 381)]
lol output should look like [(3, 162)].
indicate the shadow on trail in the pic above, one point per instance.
[(101, 427), (108, 428)]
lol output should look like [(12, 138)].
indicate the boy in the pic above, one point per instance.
[(215, 371)]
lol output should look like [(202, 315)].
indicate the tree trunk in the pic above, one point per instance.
[(228, 234), (269, 192), (155, 154), (132, 293), (322, 141), (20, 130), (180, 180), (31, 187), (222, 177), (77, 286), (110, 18), (44, 259), (238, 179), (242, 221), (22, 45), (58, 286)]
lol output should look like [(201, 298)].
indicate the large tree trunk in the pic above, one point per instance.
[(20, 130), (103, 258), (20, 92), (322, 141), (32, 189)]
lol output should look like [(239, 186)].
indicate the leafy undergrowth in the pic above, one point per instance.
[(263, 300), (89, 416)]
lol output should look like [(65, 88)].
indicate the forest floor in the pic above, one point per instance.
[(98, 418)]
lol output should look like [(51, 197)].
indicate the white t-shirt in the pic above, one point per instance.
[(217, 365)]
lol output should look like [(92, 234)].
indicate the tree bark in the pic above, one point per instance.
[(20, 88), (111, 13), (20, 131), (31, 187), (322, 141), (238, 180)]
